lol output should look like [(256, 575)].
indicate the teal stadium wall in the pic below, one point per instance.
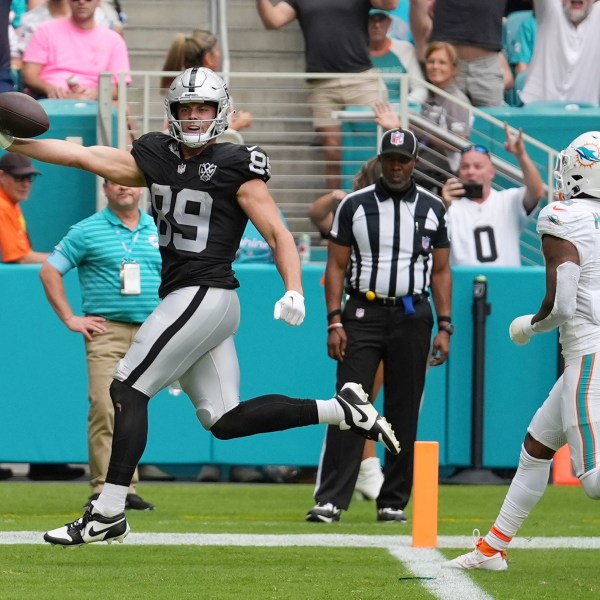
[(44, 399)]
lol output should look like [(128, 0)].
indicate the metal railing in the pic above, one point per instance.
[(282, 126)]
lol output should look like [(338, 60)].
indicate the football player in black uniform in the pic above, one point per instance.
[(202, 195)]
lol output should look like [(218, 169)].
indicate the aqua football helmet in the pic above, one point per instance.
[(198, 85), (577, 171)]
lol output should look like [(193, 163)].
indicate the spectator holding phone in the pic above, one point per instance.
[(485, 225)]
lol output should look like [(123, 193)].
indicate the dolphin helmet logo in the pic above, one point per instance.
[(587, 155)]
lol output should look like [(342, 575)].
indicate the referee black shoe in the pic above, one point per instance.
[(391, 515), (323, 513), (361, 417)]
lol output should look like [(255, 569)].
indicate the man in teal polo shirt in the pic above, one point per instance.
[(118, 264)]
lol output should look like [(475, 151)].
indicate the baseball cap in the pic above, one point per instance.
[(377, 11), (17, 164), (399, 141)]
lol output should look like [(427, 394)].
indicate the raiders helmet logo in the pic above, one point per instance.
[(206, 171)]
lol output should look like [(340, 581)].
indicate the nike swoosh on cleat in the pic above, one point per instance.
[(364, 415), (475, 565), (95, 533)]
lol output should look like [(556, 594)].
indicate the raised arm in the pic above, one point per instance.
[(277, 15), (111, 163), (385, 116), (532, 178), (421, 25)]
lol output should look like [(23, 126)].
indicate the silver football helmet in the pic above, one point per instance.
[(198, 85), (577, 171)]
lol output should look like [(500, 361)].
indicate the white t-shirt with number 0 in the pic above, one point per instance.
[(488, 233)]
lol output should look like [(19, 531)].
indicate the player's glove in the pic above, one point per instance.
[(520, 330), (6, 140), (290, 308)]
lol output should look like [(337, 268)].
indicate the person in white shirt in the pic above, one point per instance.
[(486, 229), (571, 413), (567, 40)]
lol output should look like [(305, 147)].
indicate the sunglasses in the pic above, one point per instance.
[(21, 178), (477, 148)]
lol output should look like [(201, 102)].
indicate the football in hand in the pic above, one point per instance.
[(22, 116)]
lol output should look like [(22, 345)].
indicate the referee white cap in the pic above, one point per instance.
[(399, 141)]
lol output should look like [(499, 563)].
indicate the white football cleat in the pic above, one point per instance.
[(91, 527), (362, 417), (477, 560)]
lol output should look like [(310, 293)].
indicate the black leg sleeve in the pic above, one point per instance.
[(264, 414), (130, 432)]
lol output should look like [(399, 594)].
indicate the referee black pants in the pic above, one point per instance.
[(403, 342)]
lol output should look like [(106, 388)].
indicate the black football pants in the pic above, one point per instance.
[(403, 342)]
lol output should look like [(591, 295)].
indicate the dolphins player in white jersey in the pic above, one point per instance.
[(570, 232)]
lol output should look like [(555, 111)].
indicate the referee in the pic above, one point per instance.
[(388, 246)]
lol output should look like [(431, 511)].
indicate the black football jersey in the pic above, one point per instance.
[(194, 205)]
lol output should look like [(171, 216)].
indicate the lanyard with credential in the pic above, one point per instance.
[(129, 273), (128, 250)]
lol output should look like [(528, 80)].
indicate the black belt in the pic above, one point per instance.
[(387, 300)]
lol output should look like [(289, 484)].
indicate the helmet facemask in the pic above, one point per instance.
[(203, 86)]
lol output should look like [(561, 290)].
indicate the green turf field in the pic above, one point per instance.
[(357, 558)]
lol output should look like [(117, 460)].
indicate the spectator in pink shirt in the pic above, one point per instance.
[(65, 57)]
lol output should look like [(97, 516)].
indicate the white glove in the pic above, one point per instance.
[(290, 308), (520, 330), (6, 140)]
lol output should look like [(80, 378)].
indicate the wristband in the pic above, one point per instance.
[(444, 318), (335, 326), (6, 140), (334, 313)]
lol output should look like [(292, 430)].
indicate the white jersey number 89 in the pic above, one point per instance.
[(162, 195)]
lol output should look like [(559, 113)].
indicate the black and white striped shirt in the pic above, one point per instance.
[(391, 237)]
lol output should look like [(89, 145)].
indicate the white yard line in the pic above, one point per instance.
[(389, 542), (445, 584)]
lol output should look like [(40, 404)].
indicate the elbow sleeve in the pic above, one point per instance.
[(565, 299)]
